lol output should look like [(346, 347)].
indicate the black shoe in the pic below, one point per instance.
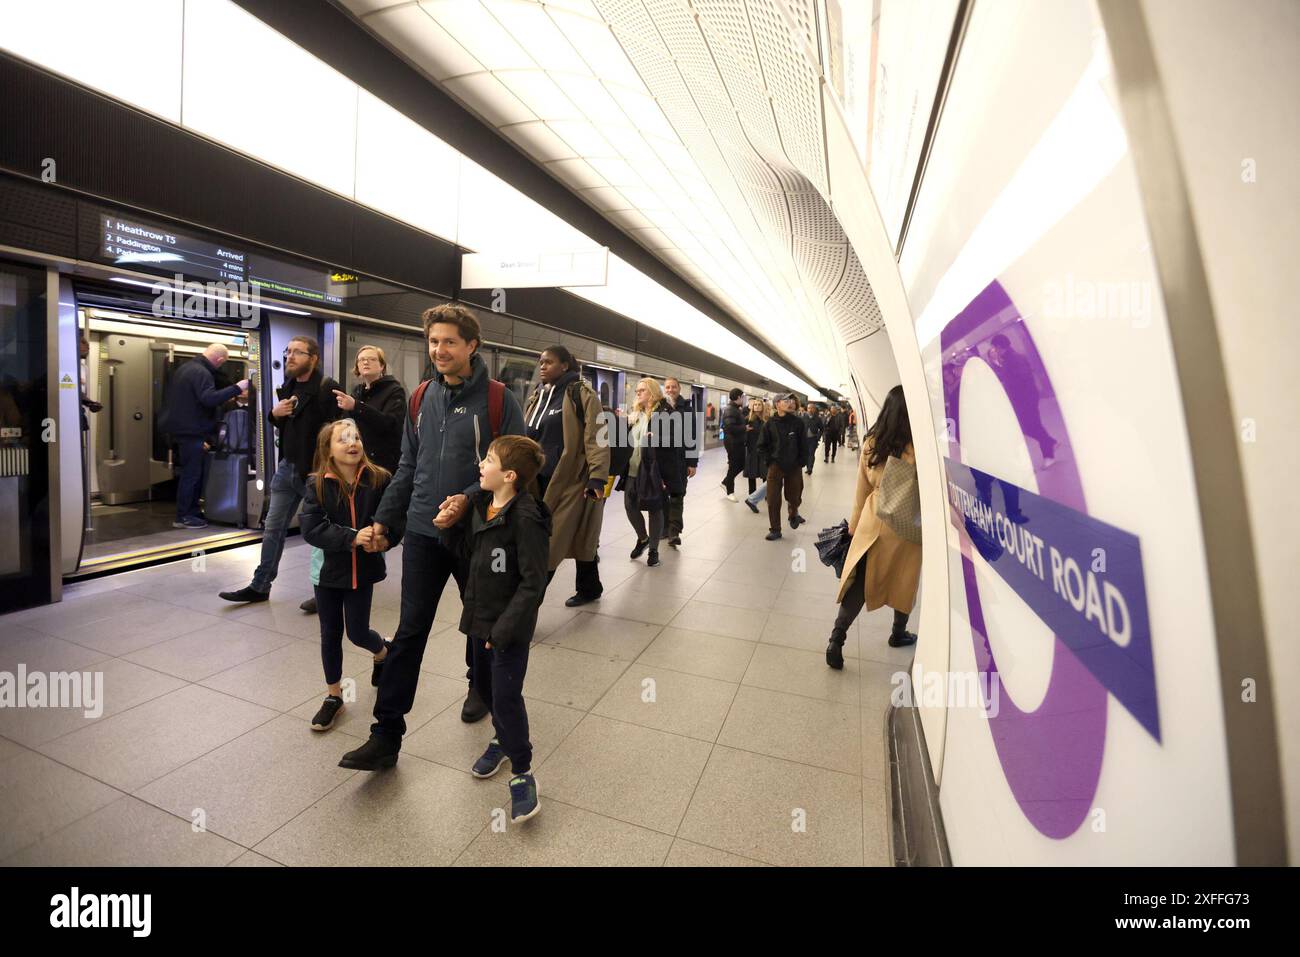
[(797, 520), (579, 599), (324, 719), (309, 606), (653, 560), (752, 507), (374, 754), (901, 639), (810, 471), (377, 669), (641, 546), (773, 535), (835, 652), (675, 541), (247, 593), (474, 708)]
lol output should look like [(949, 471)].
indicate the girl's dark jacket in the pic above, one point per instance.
[(331, 524)]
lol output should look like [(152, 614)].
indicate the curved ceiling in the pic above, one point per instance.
[(695, 126)]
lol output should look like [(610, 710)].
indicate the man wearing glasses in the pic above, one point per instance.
[(306, 402)]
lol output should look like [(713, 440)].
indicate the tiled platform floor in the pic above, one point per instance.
[(687, 718)]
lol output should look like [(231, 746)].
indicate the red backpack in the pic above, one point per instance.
[(496, 403)]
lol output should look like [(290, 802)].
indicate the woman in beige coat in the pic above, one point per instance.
[(880, 568), (563, 416)]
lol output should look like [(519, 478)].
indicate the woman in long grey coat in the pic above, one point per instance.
[(563, 416)]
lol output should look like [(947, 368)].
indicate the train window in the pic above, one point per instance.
[(518, 373)]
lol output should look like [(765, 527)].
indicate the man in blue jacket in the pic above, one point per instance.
[(190, 418), (437, 473)]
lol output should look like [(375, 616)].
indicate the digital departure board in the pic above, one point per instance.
[(126, 242), (151, 247), (278, 278)]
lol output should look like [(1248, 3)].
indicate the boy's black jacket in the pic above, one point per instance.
[(329, 526), (507, 559)]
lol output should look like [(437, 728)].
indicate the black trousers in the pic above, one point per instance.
[(633, 509), (735, 465), (587, 578), (499, 676), (426, 566), (855, 599), (673, 523), (336, 607)]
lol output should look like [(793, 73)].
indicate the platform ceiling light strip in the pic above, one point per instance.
[(351, 151), (609, 151)]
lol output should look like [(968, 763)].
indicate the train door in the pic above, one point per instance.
[(25, 497), (128, 484)]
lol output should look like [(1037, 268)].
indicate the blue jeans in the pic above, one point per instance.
[(193, 462), (499, 677), (287, 491), (758, 495)]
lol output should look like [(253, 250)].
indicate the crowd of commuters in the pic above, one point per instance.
[(493, 496)]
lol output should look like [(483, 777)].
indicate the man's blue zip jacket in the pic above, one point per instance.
[(438, 454)]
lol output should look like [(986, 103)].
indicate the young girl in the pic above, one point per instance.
[(343, 492)]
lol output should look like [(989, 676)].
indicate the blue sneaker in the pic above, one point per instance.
[(489, 763), (523, 798)]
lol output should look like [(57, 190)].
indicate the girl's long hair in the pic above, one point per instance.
[(891, 433), (762, 414), (376, 476)]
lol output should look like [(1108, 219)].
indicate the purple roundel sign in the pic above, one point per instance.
[(1081, 576)]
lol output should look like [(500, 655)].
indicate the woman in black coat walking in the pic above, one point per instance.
[(755, 462)]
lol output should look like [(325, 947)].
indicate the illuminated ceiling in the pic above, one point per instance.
[(695, 127)]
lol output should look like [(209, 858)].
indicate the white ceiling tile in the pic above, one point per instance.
[(642, 198), (584, 139), (536, 90), (618, 172), (577, 173), (601, 108), (363, 7), (606, 198), (537, 139), (600, 48), (487, 96), (480, 33), (419, 36), (536, 32), (628, 218)]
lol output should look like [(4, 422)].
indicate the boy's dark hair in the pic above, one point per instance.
[(736, 394), (521, 455), (466, 322)]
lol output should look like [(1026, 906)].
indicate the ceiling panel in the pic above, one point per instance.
[(694, 125)]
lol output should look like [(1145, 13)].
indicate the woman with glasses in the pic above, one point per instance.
[(378, 404)]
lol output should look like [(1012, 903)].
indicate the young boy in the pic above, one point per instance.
[(505, 537)]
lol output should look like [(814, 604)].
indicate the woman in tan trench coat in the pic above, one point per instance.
[(880, 568), (563, 416)]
